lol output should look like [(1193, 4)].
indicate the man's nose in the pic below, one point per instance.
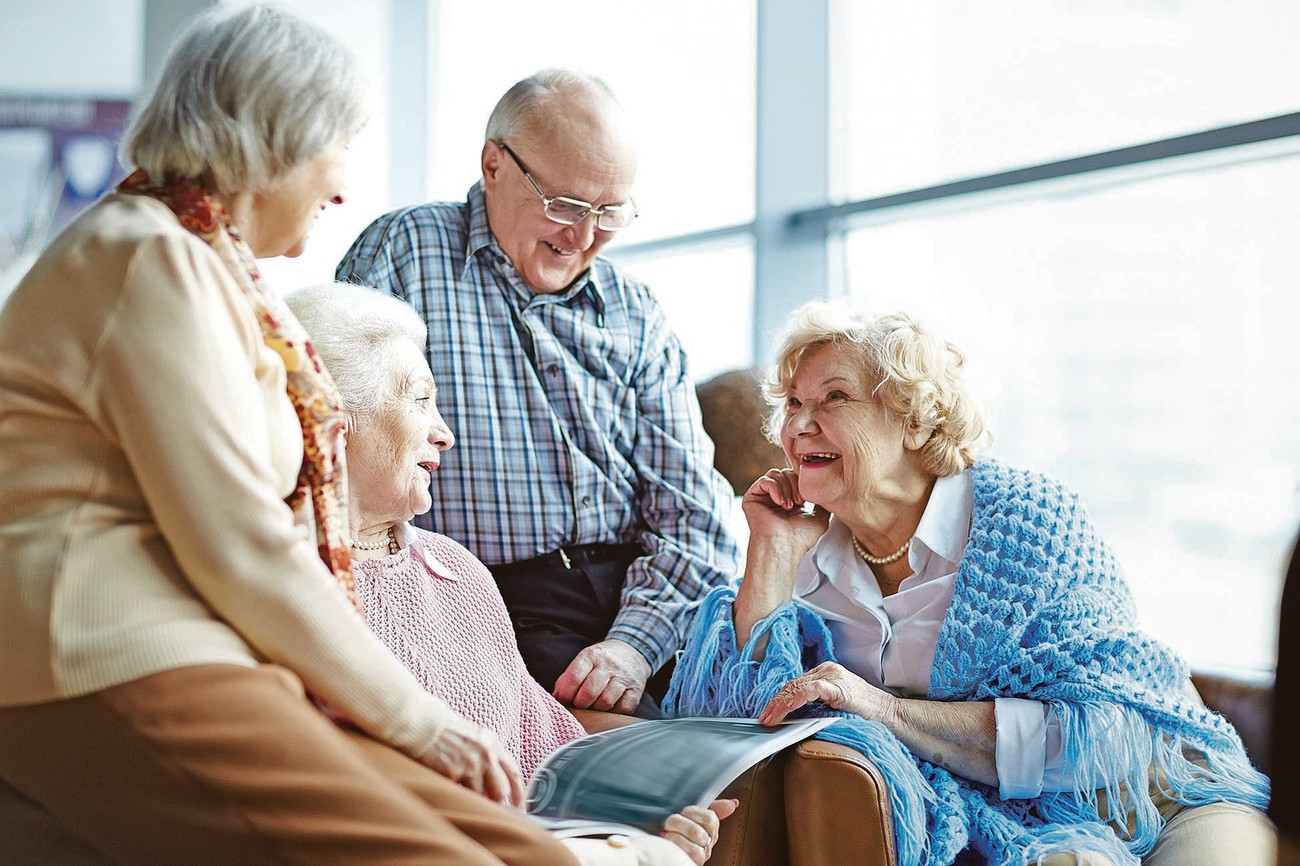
[(582, 233)]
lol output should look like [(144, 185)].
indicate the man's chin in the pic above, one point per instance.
[(551, 281)]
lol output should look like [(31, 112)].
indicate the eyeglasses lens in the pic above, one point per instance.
[(611, 218)]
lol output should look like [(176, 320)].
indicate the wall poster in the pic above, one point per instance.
[(57, 155)]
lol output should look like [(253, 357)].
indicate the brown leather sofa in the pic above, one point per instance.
[(1244, 698), (733, 411)]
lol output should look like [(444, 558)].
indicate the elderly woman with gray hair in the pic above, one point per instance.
[(968, 621), (184, 677), (431, 601)]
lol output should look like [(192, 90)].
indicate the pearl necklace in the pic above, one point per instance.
[(880, 560), (390, 543)]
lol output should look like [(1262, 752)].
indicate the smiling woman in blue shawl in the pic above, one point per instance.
[(967, 620)]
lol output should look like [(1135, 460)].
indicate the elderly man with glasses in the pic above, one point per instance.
[(584, 478)]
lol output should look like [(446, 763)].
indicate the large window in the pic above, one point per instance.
[(935, 90), (1136, 341), (1130, 328)]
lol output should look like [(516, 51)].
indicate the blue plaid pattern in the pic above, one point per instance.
[(575, 417)]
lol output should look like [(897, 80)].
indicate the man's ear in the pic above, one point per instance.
[(490, 162)]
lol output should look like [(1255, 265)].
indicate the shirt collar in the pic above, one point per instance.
[(945, 526), (481, 239), (943, 531), (420, 552), (480, 233), (832, 559)]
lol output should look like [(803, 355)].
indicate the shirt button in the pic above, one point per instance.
[(586, 500), (553, 369)]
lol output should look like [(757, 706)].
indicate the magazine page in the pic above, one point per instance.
[(636, 776)]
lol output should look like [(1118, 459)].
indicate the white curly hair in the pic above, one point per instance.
[(919, 377)]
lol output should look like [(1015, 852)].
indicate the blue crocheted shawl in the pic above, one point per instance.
[(1040, 610)]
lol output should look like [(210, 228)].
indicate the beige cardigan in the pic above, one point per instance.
[(146, 446)]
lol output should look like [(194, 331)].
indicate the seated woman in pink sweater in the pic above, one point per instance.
[(432, 601)]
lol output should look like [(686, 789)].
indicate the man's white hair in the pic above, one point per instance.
[(536, 98)]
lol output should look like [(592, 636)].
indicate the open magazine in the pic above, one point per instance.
[(630, 779)]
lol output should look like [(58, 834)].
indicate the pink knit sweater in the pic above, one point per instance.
[(439, 611)]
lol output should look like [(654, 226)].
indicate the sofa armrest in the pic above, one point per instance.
[(756, 833), (595, 721), (1245, 698), (835, 793)]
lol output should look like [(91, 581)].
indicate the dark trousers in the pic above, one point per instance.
[(558, 611)]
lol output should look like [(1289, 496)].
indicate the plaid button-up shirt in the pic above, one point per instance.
[(575, 417)]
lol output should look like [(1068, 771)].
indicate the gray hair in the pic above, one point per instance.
[(245, 96), (536, 98), (919, 377), (353, 328)]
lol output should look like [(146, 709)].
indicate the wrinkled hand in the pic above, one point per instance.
[(604, 676), (695, 830), (475, 758), (774, 509), (833, 685)]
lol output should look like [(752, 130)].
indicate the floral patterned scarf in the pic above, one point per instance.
[(320, 497)]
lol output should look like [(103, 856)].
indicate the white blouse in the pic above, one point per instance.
[(890, 642)]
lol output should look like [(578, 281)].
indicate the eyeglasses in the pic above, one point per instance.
[(571, 211)]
